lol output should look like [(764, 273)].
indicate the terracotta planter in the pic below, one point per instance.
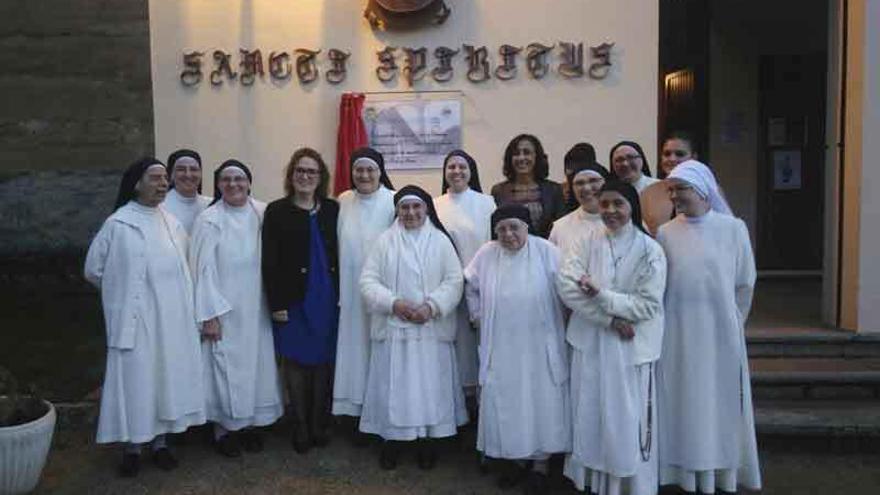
[(23, 451)]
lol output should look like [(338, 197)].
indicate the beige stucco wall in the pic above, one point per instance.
[(263, 124), (869, 143)]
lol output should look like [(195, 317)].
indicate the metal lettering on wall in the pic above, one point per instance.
[(308, 64)]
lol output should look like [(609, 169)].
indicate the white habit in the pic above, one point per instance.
[(241, 378), (612, 385), (467, 216), (524, 406), (413, 390), (362, 218), (152, 382), (569, 229), (184, 209), (707, 428)]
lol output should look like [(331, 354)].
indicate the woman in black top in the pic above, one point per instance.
[(526, 169), (300, 272)]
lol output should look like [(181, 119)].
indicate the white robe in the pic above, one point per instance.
[(467, 217), (413, 390), (707, 428), (643, 182), (569, 229), (241, 379), (613, 389), (184, 209), (524, 398), (152, 383), (362, 218)]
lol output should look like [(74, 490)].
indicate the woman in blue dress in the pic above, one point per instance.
[(300, 272)]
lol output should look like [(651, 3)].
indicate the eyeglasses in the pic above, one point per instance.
[(627, 158), (306, 172)]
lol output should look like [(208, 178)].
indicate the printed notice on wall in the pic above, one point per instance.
[(413, 134), (786, 170)]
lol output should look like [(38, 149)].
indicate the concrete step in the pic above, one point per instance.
[(811, 342), (815, 378), (817, 418)]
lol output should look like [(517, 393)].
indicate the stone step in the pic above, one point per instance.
[(811, 342), (815, 378), (817, 418)]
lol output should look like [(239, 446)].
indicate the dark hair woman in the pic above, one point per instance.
[(300, 267), (526, 169), (678, 147)]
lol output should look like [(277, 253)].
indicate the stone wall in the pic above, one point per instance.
[(75, 108)]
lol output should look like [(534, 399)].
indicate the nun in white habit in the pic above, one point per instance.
[(707, 427), (465, 212), (613, 281), (584, 184), (524, 397), (412, 283), (184, 199), (365, 211), (238, 355), (152, 383)]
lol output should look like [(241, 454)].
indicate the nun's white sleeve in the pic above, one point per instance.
[(569, 288), (96, 258), (378, 297), (472, 287), (745, 272), (446, 297), (209, 300), (646, 301)]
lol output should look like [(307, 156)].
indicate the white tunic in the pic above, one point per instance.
[(184, 209), (643, 182), (467, 216), (569, 229), (152, 383), (707, 425), (413, 389), (241, 379), (614, 444), (524, 406), (362, 218)]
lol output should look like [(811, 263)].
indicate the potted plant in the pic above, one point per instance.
[(27, 423)]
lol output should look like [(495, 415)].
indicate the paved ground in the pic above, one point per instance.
[(76, 465)]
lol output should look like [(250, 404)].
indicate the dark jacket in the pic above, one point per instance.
[(551, 201), (286, 249)]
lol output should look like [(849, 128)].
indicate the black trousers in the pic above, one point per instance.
[(310, 390)]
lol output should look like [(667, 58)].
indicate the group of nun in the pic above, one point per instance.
[(584, 331)]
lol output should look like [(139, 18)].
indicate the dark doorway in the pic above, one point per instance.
[(791, 162), (684, 70)]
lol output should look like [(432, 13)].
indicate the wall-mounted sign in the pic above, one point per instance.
[(307, 64), (413, 134)]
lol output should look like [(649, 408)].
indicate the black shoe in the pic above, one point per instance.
[(388, 457), (512, 475), (227, 445), (131, 465), (251, 441), (163, 459), (427, 456), (301, 441), (536, 484), (321, 439)]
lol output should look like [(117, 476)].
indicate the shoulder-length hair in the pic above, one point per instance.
[(323, 183), (542, 168)]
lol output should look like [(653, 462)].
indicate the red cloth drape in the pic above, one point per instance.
[(351, 135)]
